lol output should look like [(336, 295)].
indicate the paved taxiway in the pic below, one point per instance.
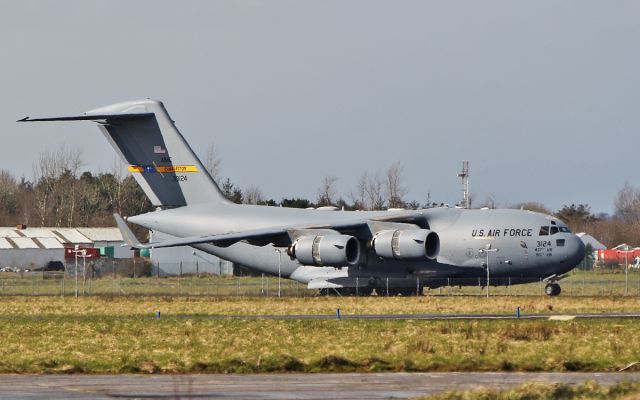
[(629, 315), (274, 386)]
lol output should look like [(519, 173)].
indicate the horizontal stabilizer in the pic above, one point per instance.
[(127, 235), (89, 117)]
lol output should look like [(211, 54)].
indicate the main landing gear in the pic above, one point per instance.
[(552, 289)]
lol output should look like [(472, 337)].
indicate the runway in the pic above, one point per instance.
[(619, 315), (275, 386)]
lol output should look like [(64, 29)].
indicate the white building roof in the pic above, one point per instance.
[(102, 234), (70, 235), (55, 238), (36, 232), (50, 243), (9, 232), (25, 243), (588, 239)]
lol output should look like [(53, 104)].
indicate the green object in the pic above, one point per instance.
[(107, 251), (145, 253)]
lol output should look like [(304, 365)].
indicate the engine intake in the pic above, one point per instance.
[(329, 250), (409, 244)]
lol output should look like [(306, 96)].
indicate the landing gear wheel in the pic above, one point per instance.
[(552, 289)]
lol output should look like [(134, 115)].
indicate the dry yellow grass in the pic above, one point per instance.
[(132, 306), (100, 344), (102, 335)]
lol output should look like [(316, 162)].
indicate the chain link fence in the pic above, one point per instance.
[(134, 277)]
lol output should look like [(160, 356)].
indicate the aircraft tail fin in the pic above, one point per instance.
[(161, 161)]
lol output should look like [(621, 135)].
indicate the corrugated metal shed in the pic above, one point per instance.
[(35, 247), (185, 259), (40, 238)]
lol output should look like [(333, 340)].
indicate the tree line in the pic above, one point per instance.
[(60, 195)]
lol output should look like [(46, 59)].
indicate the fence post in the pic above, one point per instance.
[(387, 286), (541, 289), (180, 269)]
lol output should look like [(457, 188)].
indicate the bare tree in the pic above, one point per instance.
[(359, 198), (55, 176), (327, 191), (490, 201), (627, 203), (532, 206), (10, 202), (394, 188), (212, 162), (253, 195)]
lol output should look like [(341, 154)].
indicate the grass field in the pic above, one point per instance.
[(592, 283), (539, 391), (121, 334)]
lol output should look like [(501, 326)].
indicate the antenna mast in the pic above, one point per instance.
[(464, 175)]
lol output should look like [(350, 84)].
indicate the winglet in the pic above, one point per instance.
[(127, 235)]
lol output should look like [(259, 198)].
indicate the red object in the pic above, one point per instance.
[(90, 253), (617, 255)]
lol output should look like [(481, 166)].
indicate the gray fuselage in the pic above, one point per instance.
[(529, 245)]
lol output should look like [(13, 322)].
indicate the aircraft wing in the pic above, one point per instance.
[(266, 235)]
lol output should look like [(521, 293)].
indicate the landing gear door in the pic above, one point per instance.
[(560, 250)]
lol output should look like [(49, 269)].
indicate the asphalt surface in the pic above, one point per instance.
[(629, 315), (275, 386)]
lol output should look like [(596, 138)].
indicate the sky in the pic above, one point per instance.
[(541, 97)]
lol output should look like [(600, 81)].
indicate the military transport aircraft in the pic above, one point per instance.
[(395, 251)]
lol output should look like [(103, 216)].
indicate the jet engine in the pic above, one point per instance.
[(330, 250), (406, 244)]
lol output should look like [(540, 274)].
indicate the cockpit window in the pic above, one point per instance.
[(564, 229), (544, 231), (554, 230)]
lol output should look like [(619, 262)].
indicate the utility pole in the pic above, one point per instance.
[(464, 175), (486, 250), (279, 266)]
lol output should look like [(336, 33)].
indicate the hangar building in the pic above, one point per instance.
[(34, 248), (185, 260)]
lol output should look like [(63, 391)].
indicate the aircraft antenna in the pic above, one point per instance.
[(464, 175)]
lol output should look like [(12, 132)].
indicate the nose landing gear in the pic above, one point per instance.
[(552, 289)]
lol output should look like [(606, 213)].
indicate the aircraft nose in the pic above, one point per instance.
[(576, 250)]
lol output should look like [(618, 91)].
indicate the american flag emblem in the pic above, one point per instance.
[(159, 150)]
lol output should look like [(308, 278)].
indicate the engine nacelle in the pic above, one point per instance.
[(409, 244), (330, 250)]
